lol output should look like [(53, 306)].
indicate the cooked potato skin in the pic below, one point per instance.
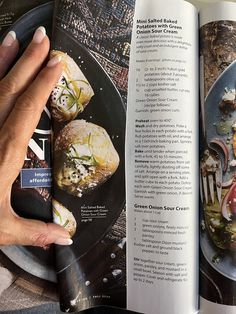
[(106, 160), (76, 91), (66, 220)]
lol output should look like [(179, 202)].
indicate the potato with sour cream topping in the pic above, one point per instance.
[(63, 217), (72, 93), (84, 157)]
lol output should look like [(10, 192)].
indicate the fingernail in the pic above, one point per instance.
[(39, 35), (9, 39), (54, 61), (63, 241)]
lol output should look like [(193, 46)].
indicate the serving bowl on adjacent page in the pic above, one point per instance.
[(219, 123)]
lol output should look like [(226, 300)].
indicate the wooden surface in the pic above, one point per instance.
[(25, 290)]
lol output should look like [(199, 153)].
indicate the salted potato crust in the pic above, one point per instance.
[(63, 217), (72, 93), (84, 157)]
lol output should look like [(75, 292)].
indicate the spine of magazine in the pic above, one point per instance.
[(218, 159)]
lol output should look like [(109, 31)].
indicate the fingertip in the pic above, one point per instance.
[(59, 235), (15, 47), (50, 75), (63, 241), (7, 56), (58, 231), (9, 39), (54, 61), (39, 35), (10, 44)]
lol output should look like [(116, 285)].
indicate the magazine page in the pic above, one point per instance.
[(89, 114), (34, 182), (217, 164), (201, 4), (31, 192), (27, 273), (162, 158)]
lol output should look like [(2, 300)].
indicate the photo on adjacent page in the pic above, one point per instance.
[(218, 163)]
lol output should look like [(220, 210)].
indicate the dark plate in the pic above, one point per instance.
[(226, 264), (105, 109), (26, 25), (209, 289)]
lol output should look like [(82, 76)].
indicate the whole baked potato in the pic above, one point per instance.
[(84, 157)]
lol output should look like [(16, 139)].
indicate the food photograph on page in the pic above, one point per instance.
[(218, 163), (87, 113)]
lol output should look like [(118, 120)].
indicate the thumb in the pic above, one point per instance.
[(20, 231)]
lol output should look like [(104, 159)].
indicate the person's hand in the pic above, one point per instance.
[(24, 92)]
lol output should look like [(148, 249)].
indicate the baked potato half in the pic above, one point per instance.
[(72, 93), (63, 217), (84, 157)]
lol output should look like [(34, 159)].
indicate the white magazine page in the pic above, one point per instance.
[(201, 4), (162, 159), (224, 10), (218, 159)]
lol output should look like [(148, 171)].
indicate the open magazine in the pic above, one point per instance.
[(121, 135)]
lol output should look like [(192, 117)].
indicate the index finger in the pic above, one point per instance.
[(8, 51), (23, 72)]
